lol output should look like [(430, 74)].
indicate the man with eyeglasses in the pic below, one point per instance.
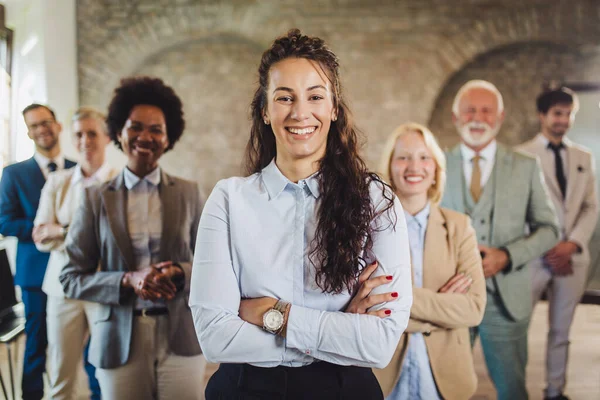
[(20, 190)]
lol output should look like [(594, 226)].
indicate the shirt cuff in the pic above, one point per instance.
[(303, 329)]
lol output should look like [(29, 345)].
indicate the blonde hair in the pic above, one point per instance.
[(436, 190), (86, 112)]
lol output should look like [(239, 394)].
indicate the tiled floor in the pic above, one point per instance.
[(584, 371)]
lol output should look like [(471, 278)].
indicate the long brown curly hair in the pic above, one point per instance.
[(344, 234)]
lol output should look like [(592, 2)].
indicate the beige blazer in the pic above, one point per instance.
[(444, 318), (58, 202), (578, 213)]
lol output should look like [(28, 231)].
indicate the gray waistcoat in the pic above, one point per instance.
[(481, 214)]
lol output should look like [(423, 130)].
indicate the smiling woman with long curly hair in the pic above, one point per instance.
[(283, 255)]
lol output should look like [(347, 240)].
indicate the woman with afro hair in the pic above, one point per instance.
[(130, 248)]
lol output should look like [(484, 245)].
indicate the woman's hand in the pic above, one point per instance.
[(363, 300), (252, 310), (459, 283), (44, 232), (151, 283)]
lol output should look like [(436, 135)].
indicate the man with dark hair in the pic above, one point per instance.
[(562, 271), (20, 190)]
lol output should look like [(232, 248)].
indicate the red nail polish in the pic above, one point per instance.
[(395, 294), (388, 312), (389, 277)]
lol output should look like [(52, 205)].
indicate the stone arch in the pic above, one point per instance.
[(572, 25), (518, 70)]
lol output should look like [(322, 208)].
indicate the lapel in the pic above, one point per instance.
[(435, 254), (573, 162), (114, 198), (36, 174), (69, 163), (455, 177), (170, 203), (502, 193), (548, 168)]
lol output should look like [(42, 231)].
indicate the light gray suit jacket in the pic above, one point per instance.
[(579, 210), (100, 252), (521, 203)]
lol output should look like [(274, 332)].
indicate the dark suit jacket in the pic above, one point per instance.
[(100, 252), (20, 190)]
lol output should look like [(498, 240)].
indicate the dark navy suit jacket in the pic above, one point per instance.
[(20, 190)]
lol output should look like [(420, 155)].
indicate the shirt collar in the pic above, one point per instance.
[(420, 217), (488, 153), (101, 175), (275, 182), (545, 142), (43, 161), (131, 179)]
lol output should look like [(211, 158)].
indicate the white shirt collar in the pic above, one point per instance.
[(43, 161), (488, 153), (131, 179), (544, 140), (101, 175)]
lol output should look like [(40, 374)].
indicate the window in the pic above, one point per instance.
[(6, 36)]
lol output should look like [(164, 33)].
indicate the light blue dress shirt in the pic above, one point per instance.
[(416, 379), (144, 223), (253, 241)]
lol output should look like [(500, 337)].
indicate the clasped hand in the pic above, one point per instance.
[(45, 232), (154, 282)]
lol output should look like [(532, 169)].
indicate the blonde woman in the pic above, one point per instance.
[(67, 319), (433, 359)]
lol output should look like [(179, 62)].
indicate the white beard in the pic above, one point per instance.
[(477, 140)]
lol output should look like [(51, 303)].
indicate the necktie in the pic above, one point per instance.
[(560, 172), (476, 179), (52, 166)]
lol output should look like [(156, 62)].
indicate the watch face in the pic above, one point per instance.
[(273, 320)]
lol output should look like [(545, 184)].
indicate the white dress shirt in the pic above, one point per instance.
[(486, 161), (43, 162), (144, 222), (59, 200), (253, 241)]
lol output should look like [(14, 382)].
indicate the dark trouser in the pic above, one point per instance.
[(34, 363), (316, 381)]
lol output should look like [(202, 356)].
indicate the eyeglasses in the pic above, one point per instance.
[(43, 124)]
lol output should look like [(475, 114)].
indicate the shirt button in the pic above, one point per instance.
[(483, 238), (483, 221)]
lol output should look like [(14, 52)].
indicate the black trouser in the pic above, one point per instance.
[(316, 381)]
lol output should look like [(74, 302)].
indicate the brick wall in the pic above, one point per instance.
[(401, 60)]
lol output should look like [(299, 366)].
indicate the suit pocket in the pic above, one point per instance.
[(102, 314)]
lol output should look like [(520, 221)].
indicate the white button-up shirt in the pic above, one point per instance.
[(144, 221), (43, 162), (486, 161), (253, 241)]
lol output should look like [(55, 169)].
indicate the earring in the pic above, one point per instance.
[(266, 121)]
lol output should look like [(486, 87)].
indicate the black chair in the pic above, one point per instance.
[(12, 317)]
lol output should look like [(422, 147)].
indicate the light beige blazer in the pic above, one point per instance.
[(58, 202), (578, 212), (444, 318)]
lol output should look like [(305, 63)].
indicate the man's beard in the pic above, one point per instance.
[(477, 139)]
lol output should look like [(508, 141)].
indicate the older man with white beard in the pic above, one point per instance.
[(505, 195)]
